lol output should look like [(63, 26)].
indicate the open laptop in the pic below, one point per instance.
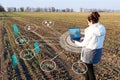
[(75, 33)]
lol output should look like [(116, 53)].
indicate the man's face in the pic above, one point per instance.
[(89, 22)]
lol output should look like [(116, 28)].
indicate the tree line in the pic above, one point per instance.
[(38, 9), (2, 8), (52, 9)]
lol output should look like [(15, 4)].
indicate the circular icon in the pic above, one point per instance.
[(27, 54), (48, 65), (30, 27), (48, 23), (21, 40), (79, 68), (67, 44)]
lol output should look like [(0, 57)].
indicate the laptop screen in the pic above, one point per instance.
[(75, 33)]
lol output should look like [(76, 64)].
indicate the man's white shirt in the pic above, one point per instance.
[(94, 37)]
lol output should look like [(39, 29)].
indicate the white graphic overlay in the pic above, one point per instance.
[(48, 23), (79, 68), (27, 54)]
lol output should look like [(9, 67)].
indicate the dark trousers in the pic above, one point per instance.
[(90, 73)]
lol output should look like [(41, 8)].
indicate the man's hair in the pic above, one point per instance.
[(94, 17)]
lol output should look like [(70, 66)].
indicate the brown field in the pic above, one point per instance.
[(107, 69)]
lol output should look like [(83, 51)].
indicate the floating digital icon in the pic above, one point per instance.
[(27, 54), (48, 23), (67, 44), (48, 65), (79, 68), (14, 61), (37, 48), (66, 39), (30, 27), (21, 40), (16, 30)]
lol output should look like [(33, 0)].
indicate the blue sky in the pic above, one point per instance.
[(75, 4)]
